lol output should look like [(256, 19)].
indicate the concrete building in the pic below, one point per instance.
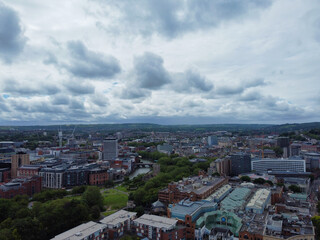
[(223, 166), (118, 223), (284, 143), (159, 228), (240, 163), (290, 165), (52, 177), (17, 161), (110, 149), (90, 230)]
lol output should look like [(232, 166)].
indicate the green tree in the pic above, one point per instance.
[(92, 196), (259, 181), (245, 179), (316, 224)]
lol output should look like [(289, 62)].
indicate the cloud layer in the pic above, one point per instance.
[(169, 62)]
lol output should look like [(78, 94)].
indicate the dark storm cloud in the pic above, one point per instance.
[(79, 88), (85, 63), (150, 73), (18, 88), (172, 18), (12, 40)]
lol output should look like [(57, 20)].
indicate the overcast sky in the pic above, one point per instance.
[(159, 61)]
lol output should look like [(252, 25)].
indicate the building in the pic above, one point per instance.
[(236, 200), (260, 200), (188, 212), (90, 230), (28, 171), (220, 194), (52, 177), (240, 163), (98, 176), (21, 186), (118, 223), (269, 164), (17, 161), (165, 148), (110, 149), (212, 140), (283, 142), (159, 228), (195, 188), (75, 176), (223, 166), (312, 160), (5, 172), (295, 149)]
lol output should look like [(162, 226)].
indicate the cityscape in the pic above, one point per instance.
[(160, 120)]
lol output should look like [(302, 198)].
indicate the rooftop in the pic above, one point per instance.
[(118, 217), (156, 221), (81, 231)]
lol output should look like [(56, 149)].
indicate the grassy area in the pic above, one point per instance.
[(122, 188), (114, 199), (78, 197)]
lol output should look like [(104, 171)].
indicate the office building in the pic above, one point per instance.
[(240, 163), (110, 149), (283, 165), (284, 143), (212, 141)]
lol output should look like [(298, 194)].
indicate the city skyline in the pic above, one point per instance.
[(166, 62)]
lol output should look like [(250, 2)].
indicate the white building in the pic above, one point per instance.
[(89, 230), (259, 201), (283, 165)]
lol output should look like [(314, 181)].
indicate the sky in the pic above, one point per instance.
[(165, 62)]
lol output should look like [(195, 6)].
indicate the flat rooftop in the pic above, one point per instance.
[(118, 217), (81, 231), (156, 221)]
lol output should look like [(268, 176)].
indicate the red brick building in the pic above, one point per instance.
[(195, 189), (5, 175), (98, 176), (28, 171), (21, 186)]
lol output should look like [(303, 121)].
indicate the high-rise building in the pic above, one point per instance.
[(17, 161), (284, 143), (110, 149), (240, 163), (212, 140)]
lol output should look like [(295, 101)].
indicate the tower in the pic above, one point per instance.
[(17, 161), (110, 149)]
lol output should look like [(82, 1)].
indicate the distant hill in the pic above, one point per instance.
[(245, 128)]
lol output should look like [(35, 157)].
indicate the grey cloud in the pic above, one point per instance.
[(12, 40), (191, 80), (173, 18), (29, 88), (240, 88), (79, 88), (88, 64), (100, 100), (134, 93), (250, 96), (150, 73), (76, 104), (60, 100)]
